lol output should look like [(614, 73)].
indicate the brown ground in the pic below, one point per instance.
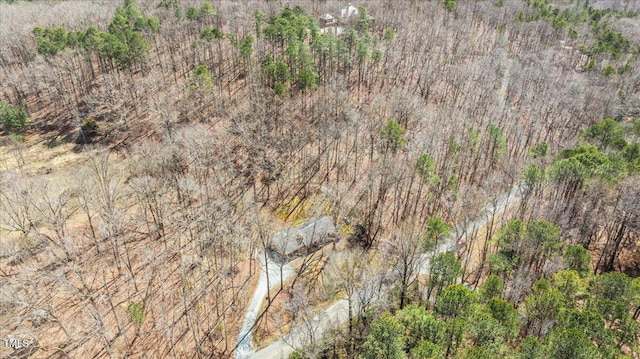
[(84, 299)]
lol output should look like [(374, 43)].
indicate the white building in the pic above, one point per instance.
[(327, 20), (349, 11)]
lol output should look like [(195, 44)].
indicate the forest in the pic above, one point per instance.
[(478, 161)]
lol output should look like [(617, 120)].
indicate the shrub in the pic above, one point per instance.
[(89, 129), (14, 119), (608, 70), (136, 313)]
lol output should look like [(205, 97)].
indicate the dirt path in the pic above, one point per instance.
[(507, 64), (270, 276), (459, 233), (330, 318)]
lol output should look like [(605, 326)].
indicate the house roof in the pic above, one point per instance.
[(349, 11), (311, 233), (327, 17)]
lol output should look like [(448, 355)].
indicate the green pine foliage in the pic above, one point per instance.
[(567, 317), (210, 34), (610, 154), (200, 79), (14, 119), (123, 43), (499, 141), (199, 14), (451, 5), (493, 287), (385, 339), (540, 150), (519, 243), (607, 41), (135, 310), (426, 167), (444, 270), (88, 130), (534, 176), (606, 133), (311, 55), (568, 313), (436, 230), (577, 258), (392, 134)]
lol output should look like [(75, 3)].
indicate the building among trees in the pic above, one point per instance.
[(327, 20), (349, 12), (304, 239)]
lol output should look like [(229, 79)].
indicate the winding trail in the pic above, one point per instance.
[(338, 312), (507, 64), (491, 210), (268, 270)]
